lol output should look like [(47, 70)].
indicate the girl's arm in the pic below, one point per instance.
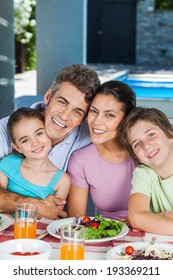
[(3, 180), (62, 188), (77, 201), (143, 219)]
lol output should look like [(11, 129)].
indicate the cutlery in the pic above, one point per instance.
[(76, 219), (152, 248), (42, 235)]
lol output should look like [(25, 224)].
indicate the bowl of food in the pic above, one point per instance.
[(137, 251), (25, 249)]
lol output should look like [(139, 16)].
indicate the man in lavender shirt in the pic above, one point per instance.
[(65, 107)]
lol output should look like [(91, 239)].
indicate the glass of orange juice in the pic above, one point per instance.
[(25, 222), (72, 242)]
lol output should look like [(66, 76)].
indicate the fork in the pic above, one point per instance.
[(151, 247), (76, 219), (42, 235)]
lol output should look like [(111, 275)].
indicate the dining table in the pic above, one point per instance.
[(93, 251)]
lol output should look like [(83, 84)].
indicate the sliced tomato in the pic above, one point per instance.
[(94, 225), (129, 250), (86, 219), (35, 253), (17, 253), (27, 254)]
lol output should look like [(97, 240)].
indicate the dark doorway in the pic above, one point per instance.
[(111, 31)]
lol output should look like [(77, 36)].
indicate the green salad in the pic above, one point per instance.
[(100, 227)]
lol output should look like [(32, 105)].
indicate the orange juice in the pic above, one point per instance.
[(25, 230), (72, 252)]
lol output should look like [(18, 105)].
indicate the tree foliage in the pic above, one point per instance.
[(25, 29), (164, 4)]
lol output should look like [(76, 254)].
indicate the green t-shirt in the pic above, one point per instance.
[(160, 192)]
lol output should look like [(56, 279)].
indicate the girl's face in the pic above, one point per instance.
[(31, 139), (150, 144), (104, 117)]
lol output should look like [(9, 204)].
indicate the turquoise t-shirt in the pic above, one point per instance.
[(160, 192), (10, 166)]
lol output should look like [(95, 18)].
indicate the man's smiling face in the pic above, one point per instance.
[(65, 111)]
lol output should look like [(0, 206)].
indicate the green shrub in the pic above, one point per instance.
[(164, 4), (25, 29)]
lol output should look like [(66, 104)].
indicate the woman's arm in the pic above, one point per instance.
[(142, 218), (77, 201)]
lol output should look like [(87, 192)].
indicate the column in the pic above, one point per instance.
[(6, 58), (61, 38)]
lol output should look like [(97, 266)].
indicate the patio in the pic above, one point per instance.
[(26, 84)]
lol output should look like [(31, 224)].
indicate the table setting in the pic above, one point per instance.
[(95, 249)]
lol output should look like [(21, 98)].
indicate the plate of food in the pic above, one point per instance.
[(97, 229), (5, 222), (137, 251)]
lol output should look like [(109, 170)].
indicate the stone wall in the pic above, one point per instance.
[(154, 35)]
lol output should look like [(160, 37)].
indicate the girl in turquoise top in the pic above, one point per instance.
[(148, 136), (29, 172)]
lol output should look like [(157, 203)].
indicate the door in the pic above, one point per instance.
[(111, 31)]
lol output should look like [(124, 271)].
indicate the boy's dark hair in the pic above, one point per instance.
[(152, 115)]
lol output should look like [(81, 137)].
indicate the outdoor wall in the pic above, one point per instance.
[(154, 38), (6, 58), (60, 39)]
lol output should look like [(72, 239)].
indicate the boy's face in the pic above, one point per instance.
[(65, 111), (150, 144)]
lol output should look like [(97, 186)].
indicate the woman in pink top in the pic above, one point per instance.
[(104, 167)]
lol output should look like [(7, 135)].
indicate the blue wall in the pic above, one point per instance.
[(61, 38), (6, 58)]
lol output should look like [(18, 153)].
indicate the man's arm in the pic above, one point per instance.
[(5, 147), (47, 208)]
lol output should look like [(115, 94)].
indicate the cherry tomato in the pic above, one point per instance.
[(129, 250), (35, 253), (27, 254), (94, 225), (86, 219), (17, 253)]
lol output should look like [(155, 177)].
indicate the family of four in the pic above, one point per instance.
[(87, 137)]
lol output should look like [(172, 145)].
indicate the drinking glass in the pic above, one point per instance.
[(25, 221), (72, 242)]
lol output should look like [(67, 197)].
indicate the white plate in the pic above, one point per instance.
[(114, 252), (54, 227), (5, 222)]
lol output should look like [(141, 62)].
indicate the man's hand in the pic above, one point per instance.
[(49, 209)]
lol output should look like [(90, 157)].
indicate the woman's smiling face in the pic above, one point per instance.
[(104, 117)]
